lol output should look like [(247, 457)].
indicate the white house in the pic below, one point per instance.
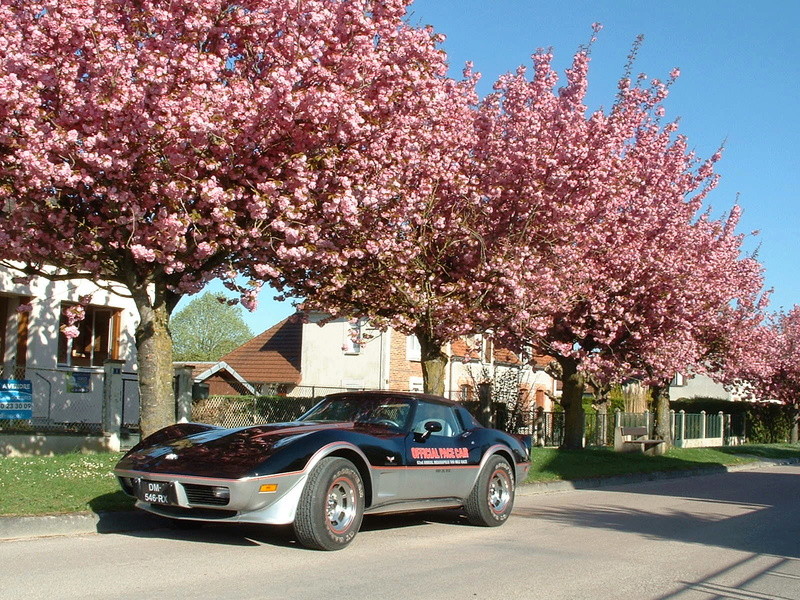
[(66, 374), (689, 387), (310, 357)]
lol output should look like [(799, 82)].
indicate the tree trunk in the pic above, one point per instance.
[(154, 357), (663, 428), (485, 401), (601, 404), (434, 363), (795, 425), (572, 401), (602, 422)]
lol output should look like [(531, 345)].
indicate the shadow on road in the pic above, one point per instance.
[(752, 511), (764, 580), (145, 525)]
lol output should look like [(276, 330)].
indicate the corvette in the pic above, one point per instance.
[(352, 454)]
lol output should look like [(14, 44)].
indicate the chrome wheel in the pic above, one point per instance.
[(342, 506), (499, 491), (331, 506)]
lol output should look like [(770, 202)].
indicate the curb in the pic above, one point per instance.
[(549, 487), (22, 528)]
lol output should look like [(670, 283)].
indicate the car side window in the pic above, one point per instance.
[(442, 414), (467, 419)]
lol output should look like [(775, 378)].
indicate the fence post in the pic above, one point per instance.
[(722, 427), (728, 430), (617, 417), (647, 421), (672, 423), (683, 428), (703, 425), (183, 393), (112, 403)]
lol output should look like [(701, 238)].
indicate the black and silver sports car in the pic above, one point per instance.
[(354, 453)]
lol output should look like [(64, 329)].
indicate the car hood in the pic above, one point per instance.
[(218, 452)]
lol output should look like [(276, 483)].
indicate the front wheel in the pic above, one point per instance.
[(331, 506), (491, 500)]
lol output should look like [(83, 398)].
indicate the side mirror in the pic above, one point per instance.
[(433, 427), (430, 428)]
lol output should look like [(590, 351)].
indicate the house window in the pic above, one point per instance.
[(351, 344), (97, 338), (465, 393), (679, 380), (413, 349)]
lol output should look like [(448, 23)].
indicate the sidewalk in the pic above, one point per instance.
[(20, 528)]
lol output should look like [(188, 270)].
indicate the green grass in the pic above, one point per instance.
[(41, 485), (68, 483), (551, 464)]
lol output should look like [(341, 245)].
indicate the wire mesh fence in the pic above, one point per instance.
[(273, 404), (240, 411)]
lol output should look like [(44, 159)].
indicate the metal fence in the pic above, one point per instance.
[(688, 429), (545, 428), (70, 400), (63, 400), (267, 407), (130, 401)]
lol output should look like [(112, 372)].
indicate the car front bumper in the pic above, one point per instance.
[(270, 499)]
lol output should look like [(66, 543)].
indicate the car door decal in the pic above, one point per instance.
[(423, 455)]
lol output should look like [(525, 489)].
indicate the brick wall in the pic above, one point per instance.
[(400, 368)]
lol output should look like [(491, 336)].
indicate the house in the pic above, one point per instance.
[(699, 386), (317, 354), (66, 373)]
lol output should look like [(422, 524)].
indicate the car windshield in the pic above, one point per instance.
[(377, 410)]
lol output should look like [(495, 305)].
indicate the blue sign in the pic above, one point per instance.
[(16, 399), (79, 383)]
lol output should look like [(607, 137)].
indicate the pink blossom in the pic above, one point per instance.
[(141, 253), (70, 331)]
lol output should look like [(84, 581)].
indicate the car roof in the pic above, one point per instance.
[(391, 394)]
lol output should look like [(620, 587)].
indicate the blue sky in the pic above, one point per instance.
[(739, 85)]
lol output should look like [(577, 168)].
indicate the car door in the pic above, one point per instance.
[(441, 462)]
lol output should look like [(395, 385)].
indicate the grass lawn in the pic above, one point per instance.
[(42, 485), (551, 464)]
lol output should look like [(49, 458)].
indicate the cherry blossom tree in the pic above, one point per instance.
[(698, 316), (776, 376), (416, 262), (161, 144), (614, 258)]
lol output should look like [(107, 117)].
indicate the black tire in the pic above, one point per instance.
[(331, 506), (491, 500)]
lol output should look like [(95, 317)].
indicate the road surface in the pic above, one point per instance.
[(733, 535)]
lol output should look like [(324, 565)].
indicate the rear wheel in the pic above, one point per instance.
[(492, 498), (331, 506)]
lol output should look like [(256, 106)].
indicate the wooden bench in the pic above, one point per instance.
[(634, 439)]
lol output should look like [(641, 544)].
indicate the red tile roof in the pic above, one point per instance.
[(271, 357)]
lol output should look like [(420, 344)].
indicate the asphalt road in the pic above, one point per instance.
[(733, 535)]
